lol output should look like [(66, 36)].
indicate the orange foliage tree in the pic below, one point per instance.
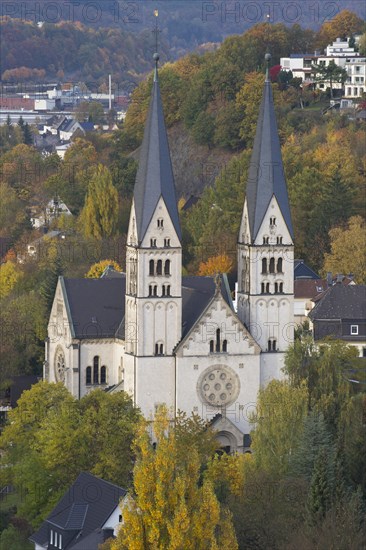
[(216, 264)]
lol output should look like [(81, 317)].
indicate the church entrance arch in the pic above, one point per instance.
[(227, 442)]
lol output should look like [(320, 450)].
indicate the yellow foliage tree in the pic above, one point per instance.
[(10, 274), (96, 270), (170, 509), (217, 264), (348, 247)]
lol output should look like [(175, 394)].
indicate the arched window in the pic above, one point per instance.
[(96, 370), (159, 267), (272, 221), (103, 375), (155, 289), (274, 345), (156, 349), (279, 240), (279, 265), (269, 345), (272, 265), (167, 267), (153, 243), (267, 288), (264, 265), (211, 346), (281, 287), (276, 288), (262, 288), (151, 267), (163, 290), (161, 349), (88, 375), (168, 290), (224, 346), (150, 290), (218, 340)]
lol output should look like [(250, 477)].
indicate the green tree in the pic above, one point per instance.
[(52, 270), (100, 214), (278, 422), (170, 508), (10, 274), (320, 494), (331, 74), (353, 432)]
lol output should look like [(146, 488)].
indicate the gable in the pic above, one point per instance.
[(218, 316), (167, 230), (279, 229)]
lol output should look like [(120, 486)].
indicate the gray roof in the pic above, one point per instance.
[(97, 306), (266, 174), (341, 302), (79, 513), (154, 177)]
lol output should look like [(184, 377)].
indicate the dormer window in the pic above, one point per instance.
[(354, 330), (160, 223)]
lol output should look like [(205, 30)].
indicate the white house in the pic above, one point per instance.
[(164, 338)]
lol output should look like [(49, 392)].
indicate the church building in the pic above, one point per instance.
[(164, 338)]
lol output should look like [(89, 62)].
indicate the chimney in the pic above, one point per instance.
[(340, 278)]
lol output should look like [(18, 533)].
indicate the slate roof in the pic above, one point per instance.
[(341, 302), (266, 175), (303, 271), (97, 306), (154, 177), (92, 496)]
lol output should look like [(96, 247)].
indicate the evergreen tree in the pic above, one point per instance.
[(8, 121), (320, 494), (27, 134), (52, 271)]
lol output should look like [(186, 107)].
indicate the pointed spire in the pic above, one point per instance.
[(266, 174), (154, 177)]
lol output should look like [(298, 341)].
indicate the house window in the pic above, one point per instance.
[(120, 518), (103, 375), (51, 536), (279, 265), (264, 265), (153, 243), (160, 222), (88, 375), (166, 242), (96, 370), (159, 267), (151, 267), (55, 540), (60, 541), (354, 330), (167, 267)]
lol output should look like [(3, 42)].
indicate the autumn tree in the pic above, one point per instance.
[(100, 214), (217, 264), (169, 507), (343, 25), (97, 269), (348, 245), (10, 274)]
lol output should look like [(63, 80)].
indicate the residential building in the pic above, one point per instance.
[(87, 515)]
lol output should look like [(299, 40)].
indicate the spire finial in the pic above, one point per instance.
[(267, 58), (156, 54)]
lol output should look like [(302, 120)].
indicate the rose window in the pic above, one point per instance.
[(218, 385)]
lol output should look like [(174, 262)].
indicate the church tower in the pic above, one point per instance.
[(266, 244), (153, 307)]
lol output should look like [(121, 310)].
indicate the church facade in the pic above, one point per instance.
[(164, 338)]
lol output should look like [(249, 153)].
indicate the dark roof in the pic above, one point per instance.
[(266, 175), (303, 271), (154, 177), (190, 202), (197, 292), (341, 302), (87, 126), (82, 510), (93, 540), (97, 306), (309, 288)]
